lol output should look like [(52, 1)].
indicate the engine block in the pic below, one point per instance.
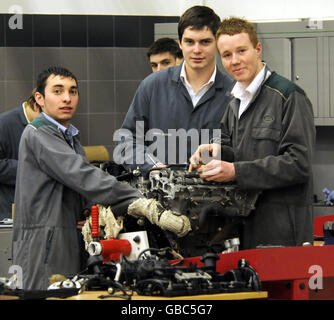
[(174, 186)]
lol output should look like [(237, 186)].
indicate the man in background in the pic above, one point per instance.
[(164, 53), (12, 124)]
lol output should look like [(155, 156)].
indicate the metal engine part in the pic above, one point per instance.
[(172, 187), (216, 210), (155, 276)]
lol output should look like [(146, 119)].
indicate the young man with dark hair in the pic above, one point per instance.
[(197, 18), (12, 124), (268, 138), (164, 53), (181, 106), (55, 184)]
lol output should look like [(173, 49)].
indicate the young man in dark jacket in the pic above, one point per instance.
[(176, 109), (268, 138), (12, 124)]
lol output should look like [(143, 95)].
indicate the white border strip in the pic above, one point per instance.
[(97, 7)]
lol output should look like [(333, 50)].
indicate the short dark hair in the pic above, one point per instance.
[(198, 17), (53, 70), (165, 45)]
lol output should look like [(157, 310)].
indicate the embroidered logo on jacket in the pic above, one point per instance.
[(268, 118)]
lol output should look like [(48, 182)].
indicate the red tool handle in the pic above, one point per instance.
[(95, 221), (113, 248)]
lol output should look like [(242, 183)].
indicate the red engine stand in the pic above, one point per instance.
[(286, 273)]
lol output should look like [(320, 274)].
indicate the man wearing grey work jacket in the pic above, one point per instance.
[(55, 183), (268, 138)]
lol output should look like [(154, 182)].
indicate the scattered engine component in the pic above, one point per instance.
[(111, 244), (153, 275), (231, 245), (63, 291)]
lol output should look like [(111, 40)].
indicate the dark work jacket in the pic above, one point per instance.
[(54, 184), (162, 110), (12, 124), (272, 146)]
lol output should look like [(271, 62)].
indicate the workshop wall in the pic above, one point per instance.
[(106, 53), (323, 162)]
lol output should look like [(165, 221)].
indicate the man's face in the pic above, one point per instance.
[(239, 57), (199, 48), (60, 99), (162, 61)]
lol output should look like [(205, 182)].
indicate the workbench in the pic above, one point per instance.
[(94, 295), (285, 272)]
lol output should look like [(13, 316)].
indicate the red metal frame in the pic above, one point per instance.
[(319, 225), (284, 272)]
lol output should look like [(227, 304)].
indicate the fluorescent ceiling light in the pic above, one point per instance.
[(276, 20), (321, 18)]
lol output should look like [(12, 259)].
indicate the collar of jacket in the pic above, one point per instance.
[(235, 103), (42, 121), (218, 83), (22, 116)]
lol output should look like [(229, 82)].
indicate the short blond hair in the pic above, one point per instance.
[(234, 25)]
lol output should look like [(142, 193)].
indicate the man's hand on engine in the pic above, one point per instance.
[(204, 154), (216, 170)]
